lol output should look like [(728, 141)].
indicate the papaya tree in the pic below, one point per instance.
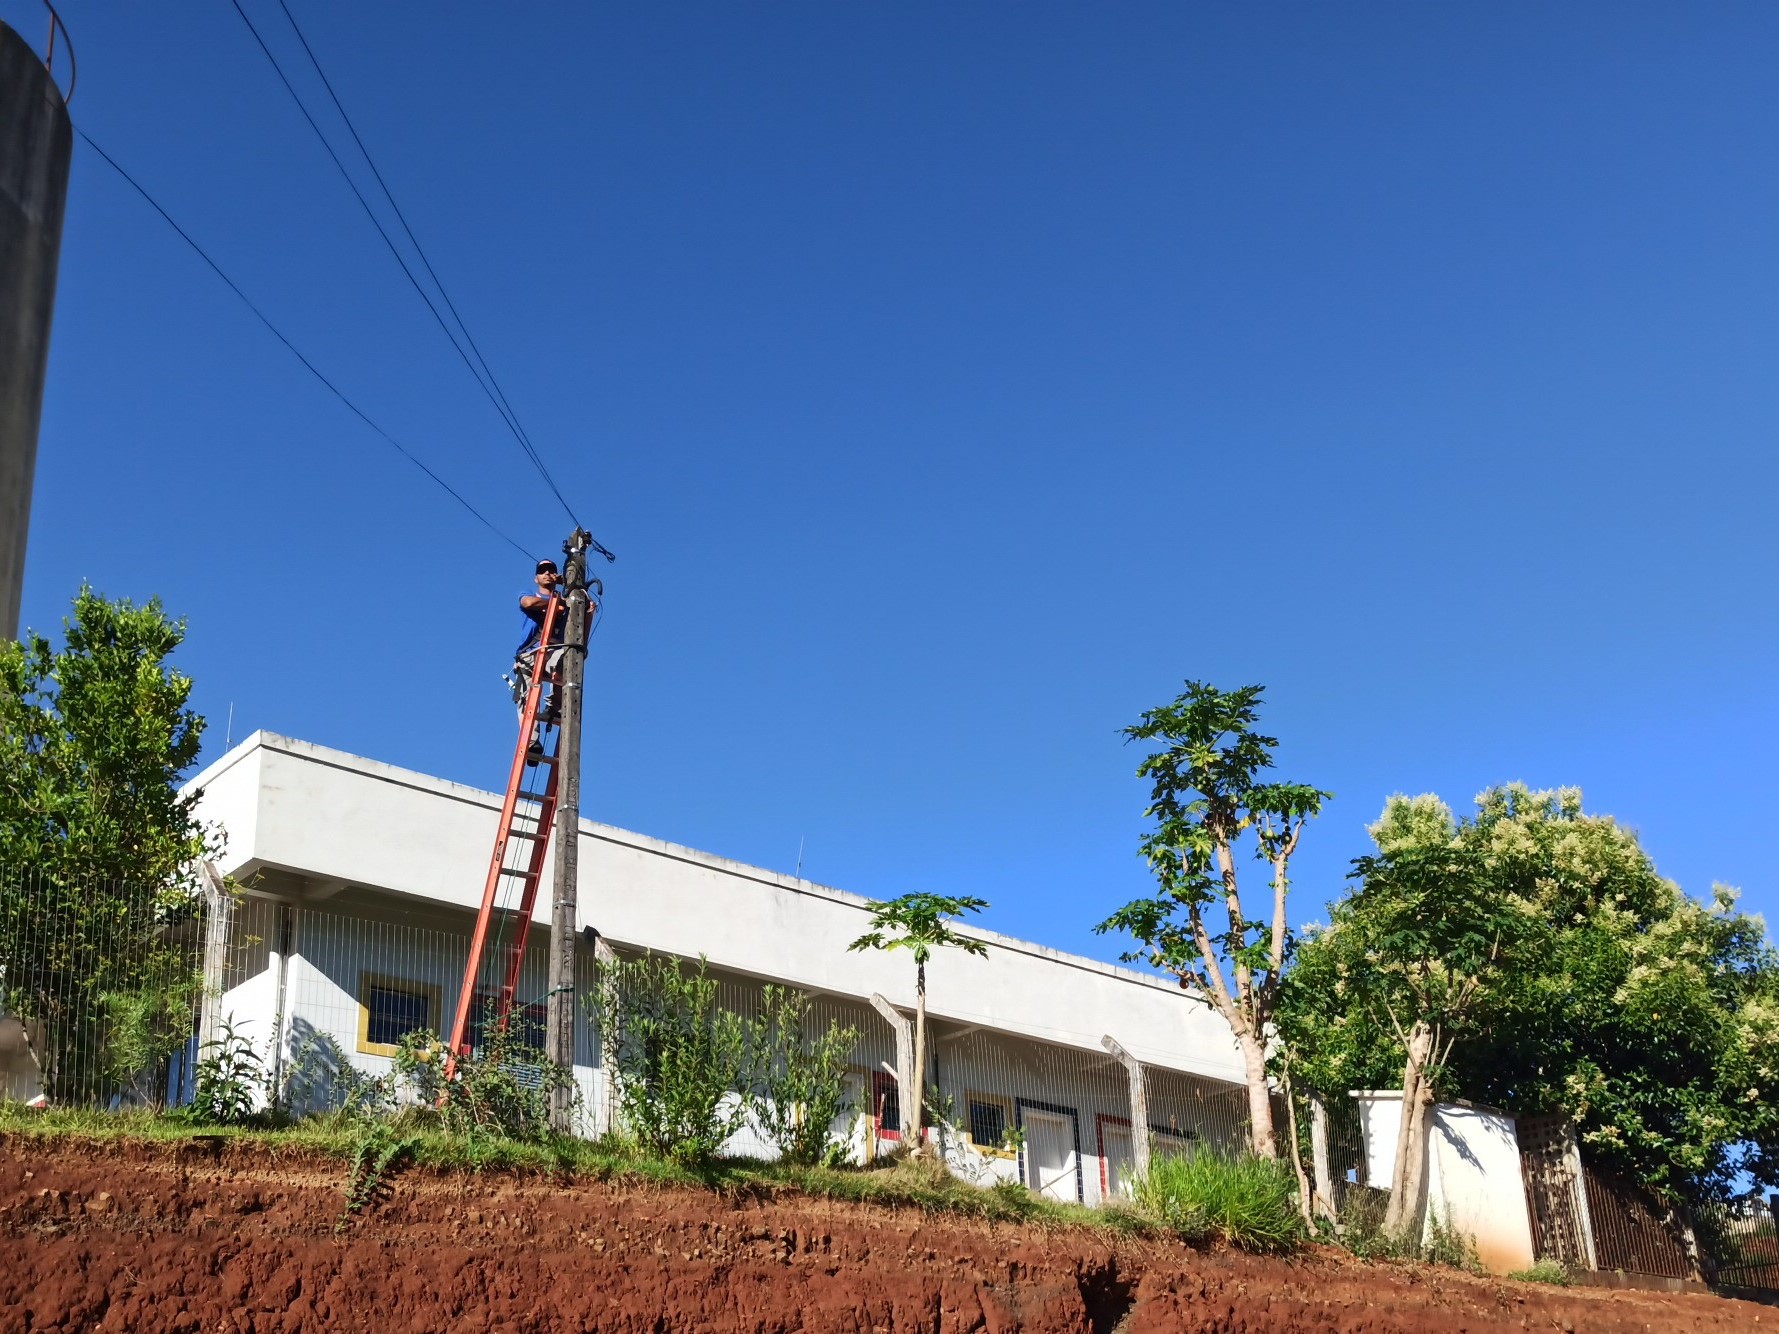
[(920, 924), (1208, 801)]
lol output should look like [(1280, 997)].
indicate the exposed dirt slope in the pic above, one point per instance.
[(143, 1237)]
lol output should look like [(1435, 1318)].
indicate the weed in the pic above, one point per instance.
[(502, 1090), (378, 1155), (1544, 1271), (1445, 1244), (1362, 1232)]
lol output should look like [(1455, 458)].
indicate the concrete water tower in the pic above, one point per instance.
[(36, 142)]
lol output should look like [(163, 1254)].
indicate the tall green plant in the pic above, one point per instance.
[(682, 1062), (1206, 798), (231, 1080), (1248, 1201), (920, 924), (802, 1080)]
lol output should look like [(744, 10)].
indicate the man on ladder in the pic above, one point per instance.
[(534, 605)]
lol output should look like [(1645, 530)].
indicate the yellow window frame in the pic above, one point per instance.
[(1006, 1106), (367, 980)]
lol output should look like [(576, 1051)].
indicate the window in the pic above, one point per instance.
[(989, 1120), (988, 1124), (886, 1101), (389, 1009), (525, 1023), (1170, 1143)]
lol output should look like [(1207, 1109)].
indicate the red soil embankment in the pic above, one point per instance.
[(145, 1237)]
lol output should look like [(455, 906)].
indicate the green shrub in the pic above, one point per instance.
[(231, 1080), (801, 1089), (1250, 1202), (1545, 1271), (502, 1091), (146, 1025), (682, 1063)]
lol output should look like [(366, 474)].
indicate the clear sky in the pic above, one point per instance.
[(952, 381)]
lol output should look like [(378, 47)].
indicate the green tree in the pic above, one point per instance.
[(1647, 1018), (1420, 951), (1206, 798), (918, 923), (96, 837)]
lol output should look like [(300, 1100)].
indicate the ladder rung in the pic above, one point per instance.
[(540, 759), (520, 833), (514, 870)]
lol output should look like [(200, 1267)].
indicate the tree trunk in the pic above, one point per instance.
[(1305, 1204), (1409, 1180), (1260, 1133), (1324, 1179), (916, 1117)]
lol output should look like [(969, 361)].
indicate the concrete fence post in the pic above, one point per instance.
[(1139, 1103), (605, 1107), (219, 926), (903, 1028)]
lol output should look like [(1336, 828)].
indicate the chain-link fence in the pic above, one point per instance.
[(99, 988), (326, 994)]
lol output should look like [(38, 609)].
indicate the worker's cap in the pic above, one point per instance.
[(546, 565)]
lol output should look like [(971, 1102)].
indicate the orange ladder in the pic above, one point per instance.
[(521, 841)]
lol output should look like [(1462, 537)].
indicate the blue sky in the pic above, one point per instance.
[(953, 381)]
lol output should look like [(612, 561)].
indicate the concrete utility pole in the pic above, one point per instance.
[(570, 674)]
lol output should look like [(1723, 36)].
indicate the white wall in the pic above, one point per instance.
[(328, 816), (1472, 1172), (330, 951)]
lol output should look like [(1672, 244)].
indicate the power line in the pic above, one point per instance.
[(277, 333), (489, 387), (420, 250)]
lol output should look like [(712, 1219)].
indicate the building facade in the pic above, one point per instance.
[(362, 884)]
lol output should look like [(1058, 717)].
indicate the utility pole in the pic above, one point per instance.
[(559, 1024)]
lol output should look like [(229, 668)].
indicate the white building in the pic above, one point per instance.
[(363, 884)]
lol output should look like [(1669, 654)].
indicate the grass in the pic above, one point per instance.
[(898, 1182), (1247, 1201), (1545, 1271)]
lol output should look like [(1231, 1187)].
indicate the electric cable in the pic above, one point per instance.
[(504, 412), (420, 250), (278, 333)]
